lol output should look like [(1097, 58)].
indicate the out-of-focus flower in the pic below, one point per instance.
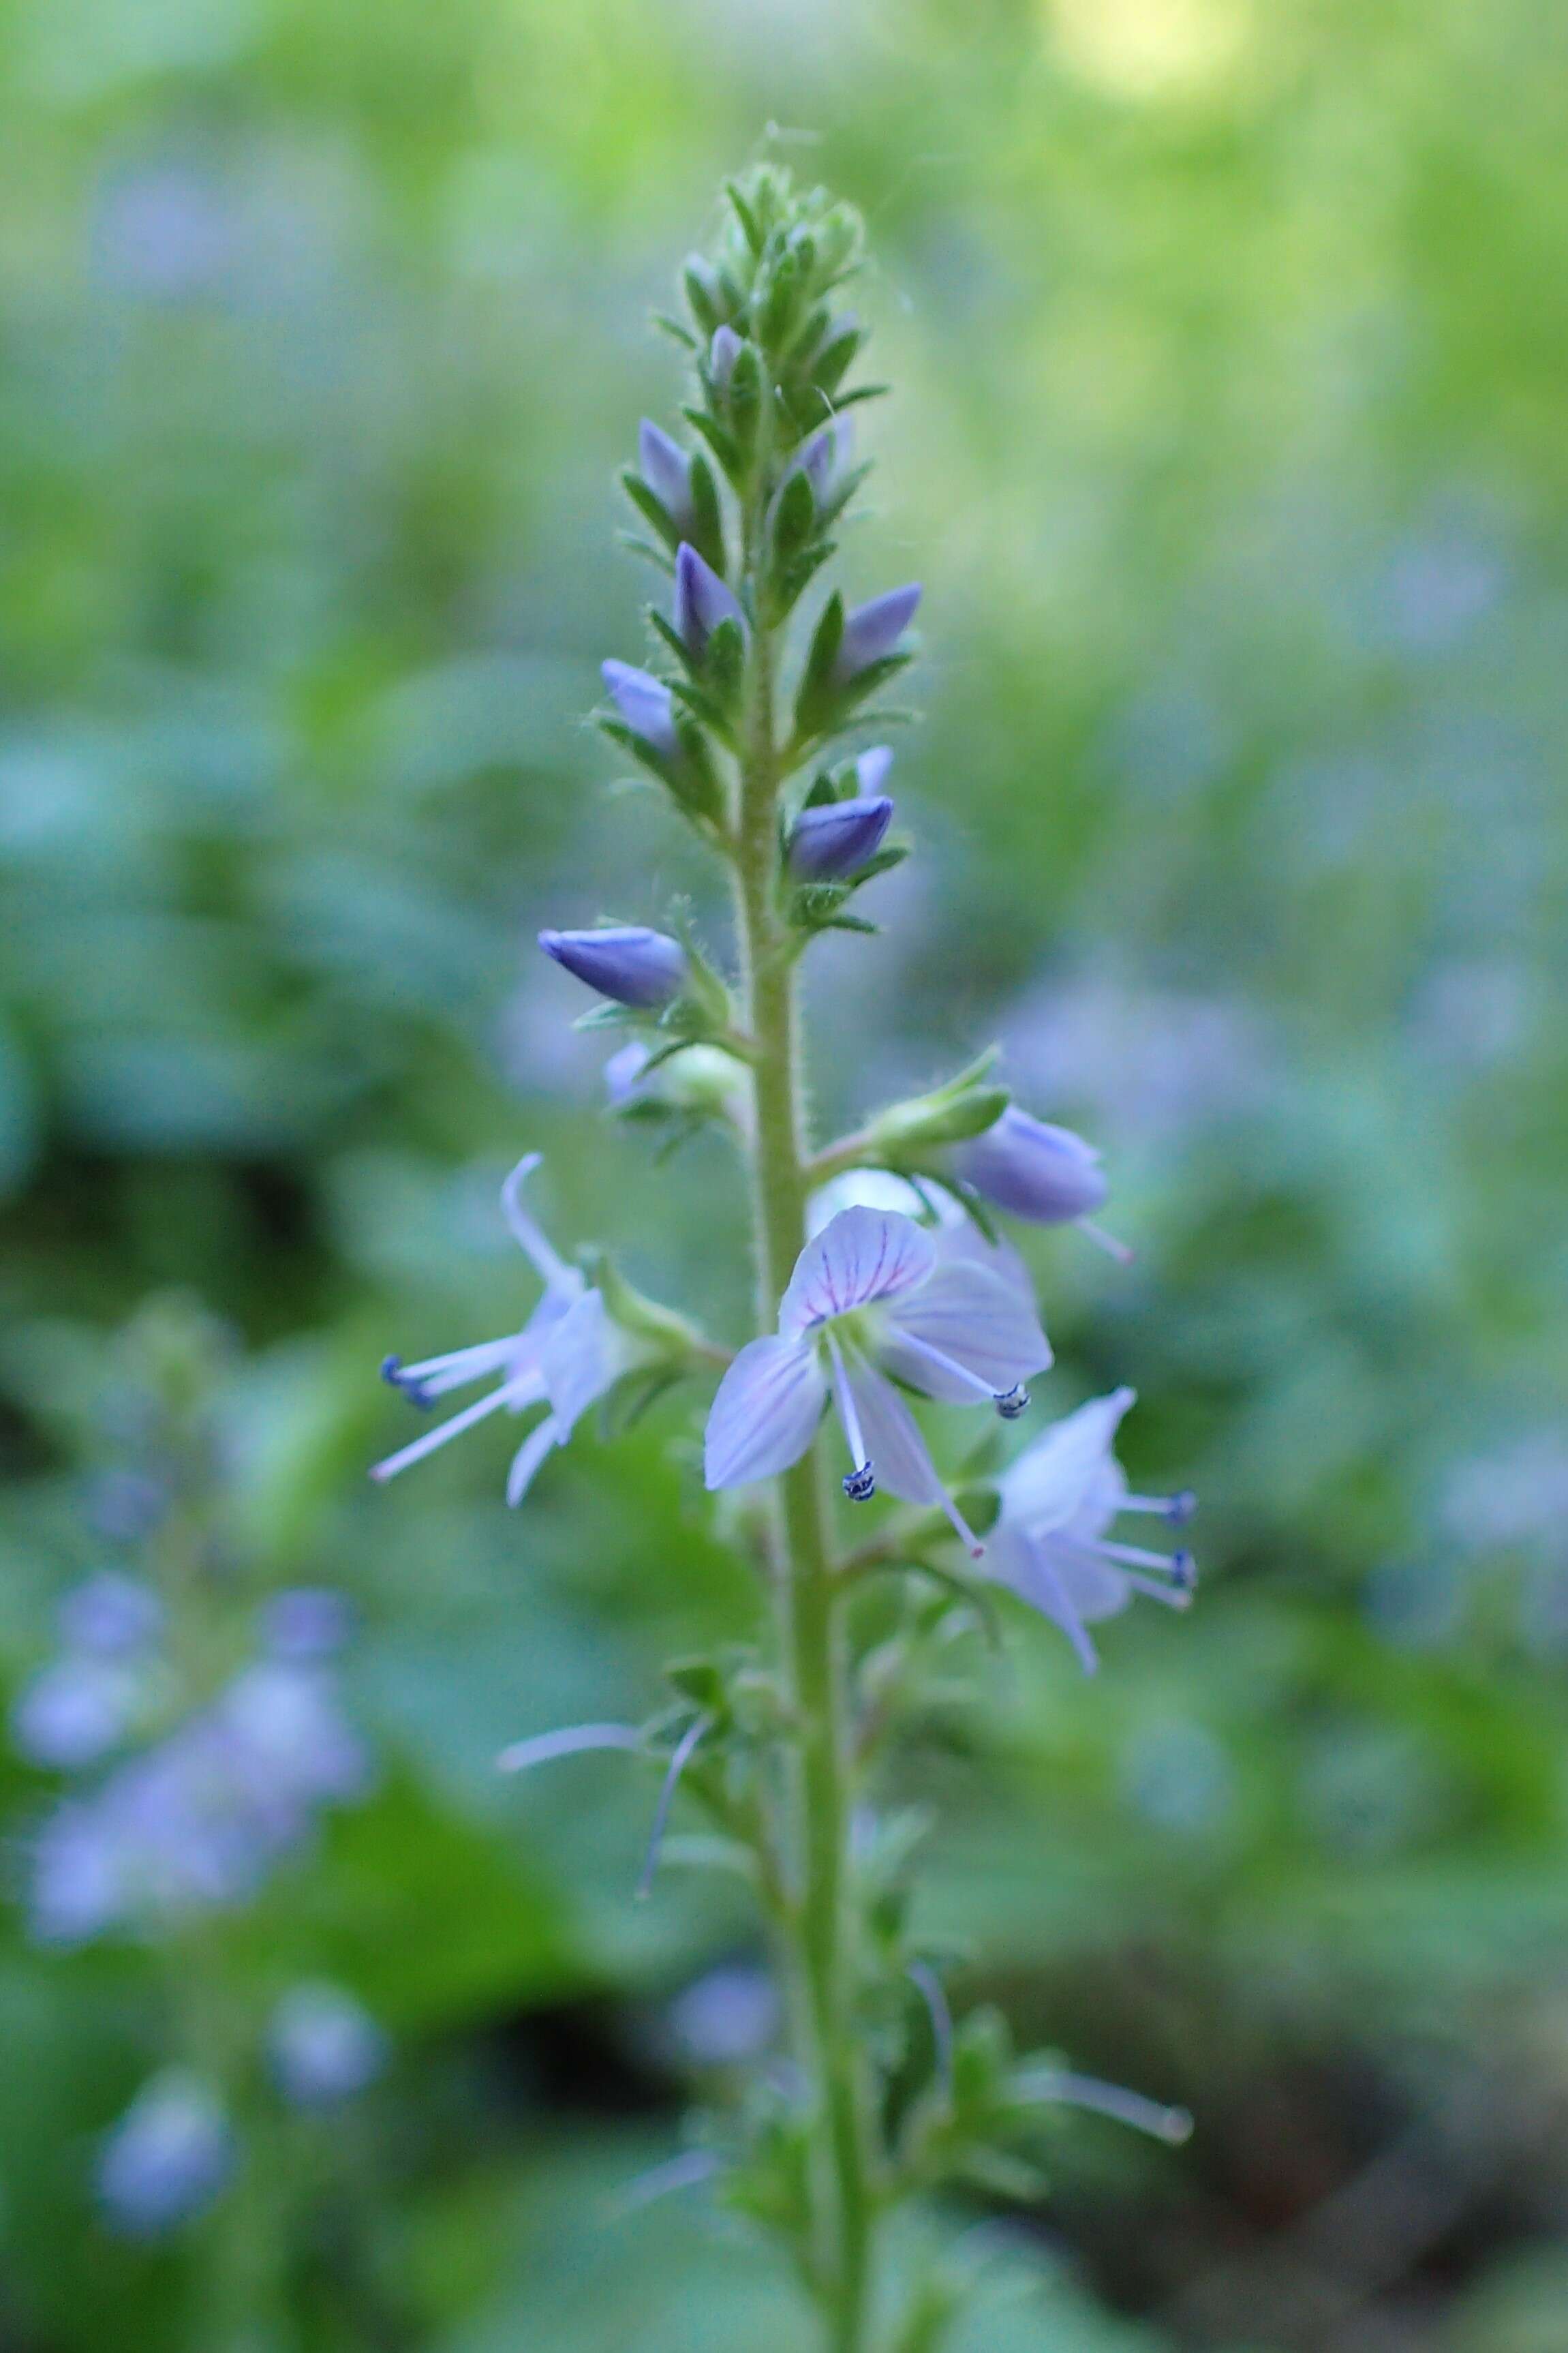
[(703, 1082), (566, 1357), (197, 1821), (722, 353), (726, 2017), (324, 2046), (625, 962), (307, 1621), (872, 630), (167, 2158), (1050, 1542), (874, 1289), (76, 1711), (111, 1614)]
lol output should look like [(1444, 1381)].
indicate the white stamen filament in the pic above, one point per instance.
[(981, 1391), (437, 1374), (678, 1764), (844, 1399), (1107, 1242), (1132, 1555), (554, 1270), (1049, 2084), (545, 1746), (511, 1393)]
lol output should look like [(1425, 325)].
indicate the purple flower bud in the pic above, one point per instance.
[(624, 961), (309, 1622), (701, 601), (872, 631), (837, 838), (1036, 1171), (646, 705), (667, 471), (323, 2046), (109, 1614), (825, 457), (722, 353), (168, 2156)]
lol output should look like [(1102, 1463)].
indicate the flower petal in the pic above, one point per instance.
[(765, 1413), (976, 1315), (1042, 1586), (860, 1256), (551, 1269), (530, 1454), (897, 1451), (1050, 1484), (578, 1359)]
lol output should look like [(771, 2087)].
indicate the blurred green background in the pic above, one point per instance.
[(1229, 341)]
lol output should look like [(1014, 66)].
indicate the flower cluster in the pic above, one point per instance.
[(202, 1733), (889, 1297)]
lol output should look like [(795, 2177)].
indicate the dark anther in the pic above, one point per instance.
[(1013, 1402), (860, 1485)]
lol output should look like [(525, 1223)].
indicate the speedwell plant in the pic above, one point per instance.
[(880, 1275)]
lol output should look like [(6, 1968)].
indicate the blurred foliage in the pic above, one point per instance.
[(1229, 342)]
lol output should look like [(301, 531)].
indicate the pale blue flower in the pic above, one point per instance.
[(1049, 1542), (626, 962), (75, 1711), (167, 2158), (565, 1358), (874, 1294), (702, 602), (872, 631), (323, 2046)]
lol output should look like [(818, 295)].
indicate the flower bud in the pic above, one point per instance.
[(667, 471), (646, 705), (1032, 1170), (872, 631), (625, 962), (827, 456), (722, 353), (702, 602), (871, 770), (837, 838)]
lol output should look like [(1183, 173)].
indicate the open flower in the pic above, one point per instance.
[(875, 1293), (566, 1357), (1049, 1542)]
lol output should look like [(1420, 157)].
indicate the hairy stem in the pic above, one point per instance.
[(820, 1923)]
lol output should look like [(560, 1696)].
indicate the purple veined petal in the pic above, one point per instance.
[(1042, 1587), (872, 630), (530, 1454), (626, 962), (898, 1453), (579, 1359), (978, 1321), (551, 1269), (722, 353), (765, 1413), (860, 1256), (836, 837), (667, 471), (526, 1389), (1046, 1486), (645, 703), (701, 601), (1025, 1165), (871, 770)]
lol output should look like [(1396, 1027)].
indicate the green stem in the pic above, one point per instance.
[(820, 1923)]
